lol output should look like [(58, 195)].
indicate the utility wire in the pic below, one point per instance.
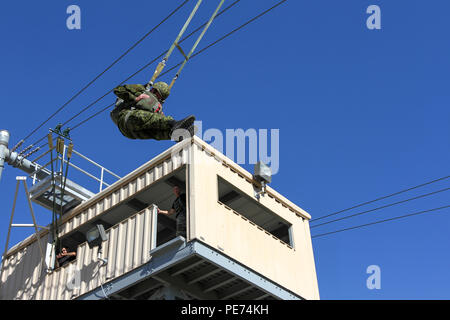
[(94, 115), (108, 68), (381, 198), (228, 34), (139, 71), (199, 52), (151, 62), (380, 221), (382, 207)]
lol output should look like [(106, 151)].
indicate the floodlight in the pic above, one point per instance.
[(262, 174), (96, 236)]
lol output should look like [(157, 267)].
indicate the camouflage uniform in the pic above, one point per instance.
[(143, 119)]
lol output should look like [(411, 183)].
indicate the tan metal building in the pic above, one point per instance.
[(237, 246)]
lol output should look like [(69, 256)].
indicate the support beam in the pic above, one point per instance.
[(240, 271), (202, 274), (189, 265), (163, 259), (257, 295), (178, 252), (140, 288), (169, 292), (263, 296), (234, 291), (219, 282), (194, 290)]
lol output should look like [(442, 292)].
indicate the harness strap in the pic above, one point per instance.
[(162, 64), (187, 57)]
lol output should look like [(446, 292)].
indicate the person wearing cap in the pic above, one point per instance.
[(139, 113)]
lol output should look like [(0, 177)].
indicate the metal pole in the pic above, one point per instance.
[(4, 152), (9, 229), (34, 218), (101, 180)]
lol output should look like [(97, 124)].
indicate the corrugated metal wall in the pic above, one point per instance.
[(119, 192), (128, 247), (125, 191), (22, 273)]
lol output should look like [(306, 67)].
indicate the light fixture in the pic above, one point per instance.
[(96, 236), (263, 175)]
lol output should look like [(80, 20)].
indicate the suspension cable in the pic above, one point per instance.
[(137, 72), (196, 54), (104, 71)]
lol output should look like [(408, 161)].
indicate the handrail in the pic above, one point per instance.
[(95, 163), (64, 161), (86, 173)]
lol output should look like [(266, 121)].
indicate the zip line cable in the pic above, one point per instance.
[(380, 221), (228, 34), (151, 62), (386, 206), (194, 55), (381, 198), (94, 115), (108, 68), (140, 70)]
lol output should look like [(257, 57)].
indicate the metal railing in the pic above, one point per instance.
[(102, 170), (64, 161)]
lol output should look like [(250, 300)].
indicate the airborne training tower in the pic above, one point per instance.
[(239, 245)]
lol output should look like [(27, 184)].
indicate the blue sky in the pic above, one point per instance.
[(361, 113)]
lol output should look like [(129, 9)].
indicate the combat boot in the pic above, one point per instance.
[(182, 124), (186, 124), (192, 131)]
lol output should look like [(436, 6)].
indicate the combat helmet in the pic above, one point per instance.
[(163, 89)]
